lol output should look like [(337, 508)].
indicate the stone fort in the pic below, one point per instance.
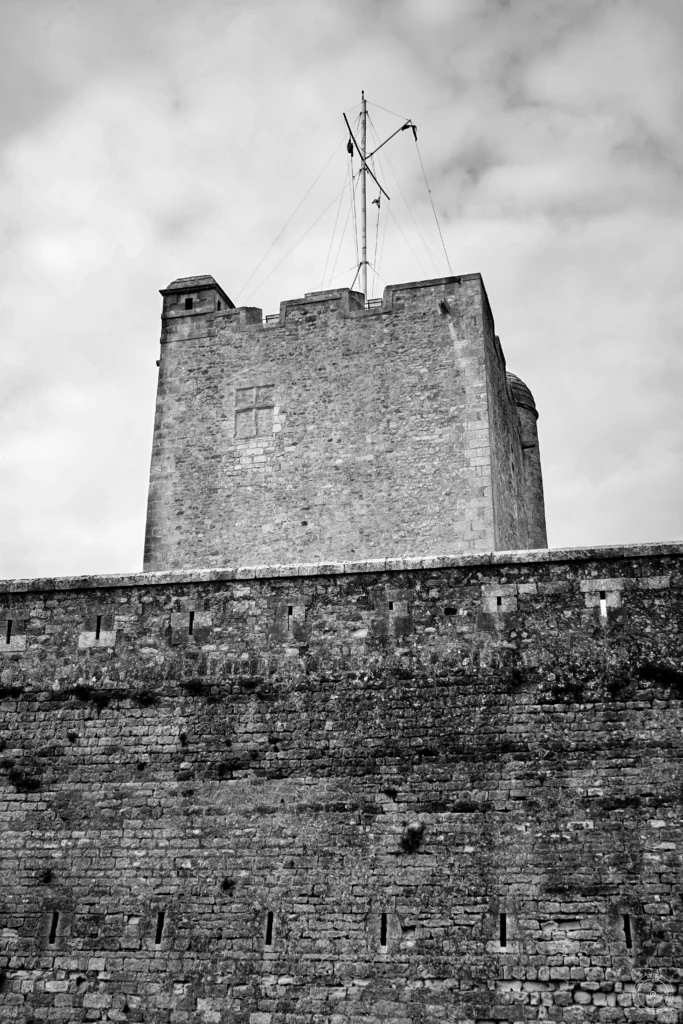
[(355, 747)]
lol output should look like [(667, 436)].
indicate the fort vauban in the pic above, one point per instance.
[(355, 745)]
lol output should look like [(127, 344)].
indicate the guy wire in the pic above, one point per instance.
[(408, 206), (336, 219), (264, 258), (424, 174), (290, 251), (341, 242)]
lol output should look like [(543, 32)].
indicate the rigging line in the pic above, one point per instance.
[(393, 135), (260, 264), (341, 242), (378, 201), (336, 219), (355, 218), (396, 178), (290, 251), (406, 241), (356, 106), (386, 111), (424, 173), (342, 273), (381, 251), (355, 278), (377, 163), (386, 219), (378, 274), (363, 159), (376, 239), (409, 208)]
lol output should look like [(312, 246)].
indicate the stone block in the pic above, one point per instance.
[(17, 642), (593, 586), (89, 640), (190, 627), (370, 565), (499, 590), (308, 569), (654, 582)]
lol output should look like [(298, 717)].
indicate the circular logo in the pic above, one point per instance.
[(652, 992)]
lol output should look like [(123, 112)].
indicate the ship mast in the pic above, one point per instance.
[(363, 197), (361, 149)]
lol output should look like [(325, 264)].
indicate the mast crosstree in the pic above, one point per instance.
[(360, 146), (361, 149)]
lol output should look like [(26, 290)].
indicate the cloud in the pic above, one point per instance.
[(151, 140)]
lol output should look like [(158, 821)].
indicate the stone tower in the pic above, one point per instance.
[(337, 432)]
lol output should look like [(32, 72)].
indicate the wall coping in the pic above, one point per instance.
[(471, 560)]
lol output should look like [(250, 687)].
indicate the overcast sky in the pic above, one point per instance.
[(146, 140)]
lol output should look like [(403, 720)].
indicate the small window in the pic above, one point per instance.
[(254, 411), (218, 304), (628, 936), (189, 302)]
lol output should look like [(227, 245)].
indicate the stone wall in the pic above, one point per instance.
[(429, 791), (507, 460), (333, 431), (533, 478)]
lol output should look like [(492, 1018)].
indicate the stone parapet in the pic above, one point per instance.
[(498, 558)]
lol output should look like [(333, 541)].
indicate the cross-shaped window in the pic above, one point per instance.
[(254, 410)]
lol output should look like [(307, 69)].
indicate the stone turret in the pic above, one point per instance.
[(533, 477)]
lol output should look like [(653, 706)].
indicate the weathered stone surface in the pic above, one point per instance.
[(384, 761), (339, 433)]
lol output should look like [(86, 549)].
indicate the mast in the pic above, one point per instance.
[(363, 199), (361, 148)]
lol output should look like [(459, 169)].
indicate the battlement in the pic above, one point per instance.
[(341, 301)]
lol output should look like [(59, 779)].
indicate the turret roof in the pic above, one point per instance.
[(520, 391)]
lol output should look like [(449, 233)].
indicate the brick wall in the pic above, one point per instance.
[(342, 786), (334, 432)]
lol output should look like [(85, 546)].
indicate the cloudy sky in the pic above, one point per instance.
[(141, 140)]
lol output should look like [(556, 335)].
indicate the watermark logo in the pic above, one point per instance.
[(653, 992)]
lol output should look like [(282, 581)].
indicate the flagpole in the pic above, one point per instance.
[(363, 200), (361, 148)]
